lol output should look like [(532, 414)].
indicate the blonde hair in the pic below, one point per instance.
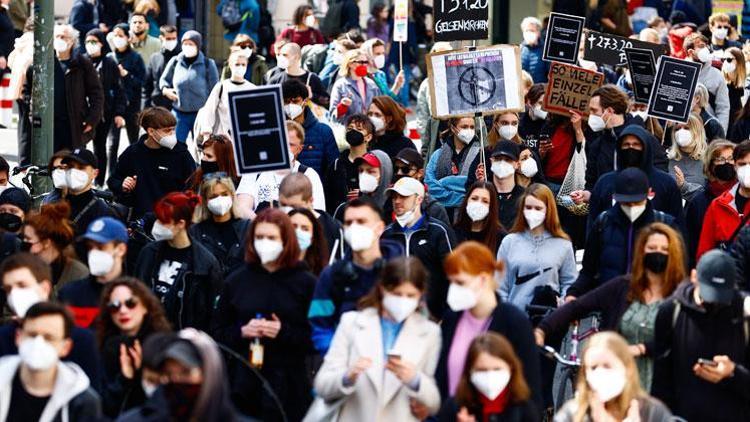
[(349, 57), (145, 6), (201, 212), (698, 136), (701, 92), (738, 79), (713, 151)]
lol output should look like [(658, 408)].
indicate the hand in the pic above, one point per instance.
[(479, 173), (103, 27), (354, 193), (635, 350), (3, 62), (580, 196), (402, 369), (398, 82), (119, 122), (464, 416), (123, 71), (679, 177), (170, 93), (539, 336), (575, 120), (346, 101), (130, 359), (569, 298), (634, 412), (271, 328), (599, 411), (715, 374), (87, 127), (418, 409), (252, 329), (129, 183), (358, 368)]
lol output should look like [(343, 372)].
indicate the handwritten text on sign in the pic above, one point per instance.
[(461, 20), (569, 88)]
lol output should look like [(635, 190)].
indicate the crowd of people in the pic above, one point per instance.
[(394, 272)]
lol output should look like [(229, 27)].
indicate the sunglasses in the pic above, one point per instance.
[(115, 306), (215, 175), (727, 59), (404, 170), (360, 62)]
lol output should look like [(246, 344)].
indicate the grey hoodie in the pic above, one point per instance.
[(386, 174)]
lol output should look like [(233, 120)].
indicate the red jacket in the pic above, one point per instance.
[(720, 222)]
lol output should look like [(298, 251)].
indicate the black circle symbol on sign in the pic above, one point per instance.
[(477, 85)]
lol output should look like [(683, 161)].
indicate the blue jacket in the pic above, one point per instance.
[(193, 82), (531, 61), (83, 17), (347, 87), (338, 290), (319, 150), (250, 9)]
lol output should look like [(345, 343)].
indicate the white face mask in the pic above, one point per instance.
[(507, 132), (461, 298), (529, 167), (537, 113), (359, 237), (100, 262), (168, 141), (682, 137), (634, 211), (310, 20), (490, 383), (59, 178), (60, 45), (190, 51), (304, 239), (477, 211), (642, 114), (148, 388), (367, 182), (720, 33), (596, 123), (293, 110), (404, 219), (268, 250), (238, 71), (380, 61), (93, 49), (399, 307), (20, 299), (337, 58), (530, 37), (247, 52), (169, 45), (76, 179), (704, 55), (728, 67), (161, 232), (37, 354), (534, 218), (743, 175), (120, 42), (466, 135), (502, 169), (220, 205), (282, 62), (378, 123), (607, 383)]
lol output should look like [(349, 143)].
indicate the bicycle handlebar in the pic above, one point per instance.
[(551, 353)]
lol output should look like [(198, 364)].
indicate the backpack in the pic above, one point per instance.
[(231, 18), (314, 57), (331, 24)]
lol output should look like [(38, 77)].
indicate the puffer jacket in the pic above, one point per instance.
[(531, 61), (319, 150)]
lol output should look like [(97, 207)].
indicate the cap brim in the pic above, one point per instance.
[(78, 160), (504, 154), (711, 294), (95, 237), (181, 352), (629, 198), (371, 161), (402, 192)]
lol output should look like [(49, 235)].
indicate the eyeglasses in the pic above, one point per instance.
[(727, 59), (360, 62), (215, 175), (723, 160), (115, 306)]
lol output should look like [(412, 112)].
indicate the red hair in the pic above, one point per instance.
[(290, 255), (176, 206), (472, 258), (52, 222)]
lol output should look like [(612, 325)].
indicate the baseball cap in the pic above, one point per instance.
[(368, 158), (506, 149), (410, 157), (105, 230), (184, 352), (81, 156), (717, 277), (407, 186), (631, 185)]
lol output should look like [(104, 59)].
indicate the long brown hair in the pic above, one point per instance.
[(154, 321), (396, 272), (491, 225), (316, 256), (498, 346), (224, 152), (290, 254), (493, 137), (673, 275), (551, 220), (392, 110)]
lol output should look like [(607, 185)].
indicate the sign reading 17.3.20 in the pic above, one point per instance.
[(457, 20)]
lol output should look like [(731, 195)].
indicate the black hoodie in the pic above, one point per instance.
[(109, 74)]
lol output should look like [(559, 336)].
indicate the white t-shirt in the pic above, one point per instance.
[(264, 186)]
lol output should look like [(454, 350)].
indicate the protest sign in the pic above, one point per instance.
[(641, 65), (259, 128), (485, 80), (457, 20), (569, 88), (674, 86), (610, 49), (401, 20), (563, 38)]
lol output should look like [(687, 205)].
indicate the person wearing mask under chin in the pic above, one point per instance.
[(133, 73), (187, 80), (270, 311), (79, 98), (422, 236), (152, 95), (85, 207), (153, 167), (697, 48), (531, 50), (140, 40)]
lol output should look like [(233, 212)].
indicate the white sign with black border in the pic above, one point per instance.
[(674, 86), (563, 38)]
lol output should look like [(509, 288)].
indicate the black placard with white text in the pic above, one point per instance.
[(642, 68), (259, 128), (609, 49), (457, 20), (674, 86), (563, 38)]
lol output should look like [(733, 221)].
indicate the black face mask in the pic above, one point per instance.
[(630, 158), (209, 167), (354, 138), (10, 222), (725, 172), (655, 262), (181, 398), (26, 246)]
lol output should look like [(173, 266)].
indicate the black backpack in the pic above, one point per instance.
[(231, 17), (331, 24)]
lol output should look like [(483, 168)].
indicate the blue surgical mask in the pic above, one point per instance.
[(303, 238)]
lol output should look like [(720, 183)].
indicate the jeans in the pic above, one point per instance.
[(185, 122)]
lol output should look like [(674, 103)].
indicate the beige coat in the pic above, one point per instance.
[(378, 395)]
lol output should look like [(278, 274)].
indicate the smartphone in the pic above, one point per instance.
[(706, 362), (394, 355)]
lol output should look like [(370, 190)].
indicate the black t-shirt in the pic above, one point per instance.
[(23, 406), (174, 261), (740, 202), (352, 173)]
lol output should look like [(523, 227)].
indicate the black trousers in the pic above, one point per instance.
[(131, 128), (100, 149)]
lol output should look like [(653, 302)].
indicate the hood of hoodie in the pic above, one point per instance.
[(70, 382), (646, 138), (386, 174)]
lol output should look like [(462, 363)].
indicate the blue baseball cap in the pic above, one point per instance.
[(105, 230)]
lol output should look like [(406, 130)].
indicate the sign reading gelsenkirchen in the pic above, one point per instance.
[(466, 82), (457, 20)]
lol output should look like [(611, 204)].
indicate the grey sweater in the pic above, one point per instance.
[(714, 81), (531, 262)]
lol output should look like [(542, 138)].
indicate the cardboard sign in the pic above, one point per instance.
[(457, 20), (642, 68), (610, 49), (401, 21), (259, 128), (563, 38), (485, 80), (569, 88), (674, 86)]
